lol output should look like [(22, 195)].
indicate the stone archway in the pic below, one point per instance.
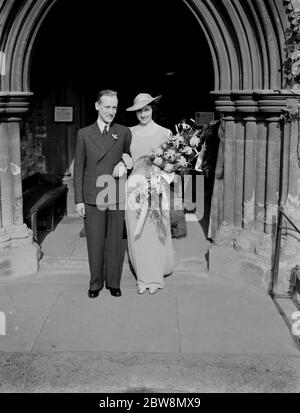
[(246, 39)]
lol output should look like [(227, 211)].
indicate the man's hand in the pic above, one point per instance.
[(119, 170), (80, 209)]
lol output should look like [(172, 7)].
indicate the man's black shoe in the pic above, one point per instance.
[(94, 293), (116, 292)]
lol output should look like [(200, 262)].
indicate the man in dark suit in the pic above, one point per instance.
[(100, 149)]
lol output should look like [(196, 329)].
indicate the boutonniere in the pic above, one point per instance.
[(115, 136)]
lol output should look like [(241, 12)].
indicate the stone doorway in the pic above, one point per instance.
[(246, 42), (160, 50)]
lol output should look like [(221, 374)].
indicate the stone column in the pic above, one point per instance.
[(15, 168), (260, 163), (260, 185), (246, 108), (287, 173), (239, 176), (229, 170), (18, 253), (6, 211), (19, 233), (223, 199), (5, 176), (250, 172), (272, 173)]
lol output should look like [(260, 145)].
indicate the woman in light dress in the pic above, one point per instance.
[(151, 256)]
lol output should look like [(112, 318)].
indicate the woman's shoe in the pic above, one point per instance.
[(153, 290), (142, 290)]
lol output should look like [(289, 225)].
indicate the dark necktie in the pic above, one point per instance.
[(105, 130)]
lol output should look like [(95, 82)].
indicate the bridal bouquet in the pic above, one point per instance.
[(177, 153), (147, 195)]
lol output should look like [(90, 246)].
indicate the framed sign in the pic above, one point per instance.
[(202, 118), (63, 114)]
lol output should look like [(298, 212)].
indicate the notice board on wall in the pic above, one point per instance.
[(203, 118)]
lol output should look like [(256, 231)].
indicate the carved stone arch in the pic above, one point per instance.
[(246, 40), (18, 43), (225, 61), (247, 50)]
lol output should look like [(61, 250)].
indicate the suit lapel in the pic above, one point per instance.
[(96, 136), (108, 141)]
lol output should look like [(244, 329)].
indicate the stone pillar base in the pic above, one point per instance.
[(19, 261), (240, 266), (243, 256)]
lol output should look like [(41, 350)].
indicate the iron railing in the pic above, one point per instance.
[(295, 272), (294, 281)]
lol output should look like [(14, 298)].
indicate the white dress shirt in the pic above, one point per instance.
[(102, 125)]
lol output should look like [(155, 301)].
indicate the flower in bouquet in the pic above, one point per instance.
[(185, 125), (157, 161), (178, 140), (178, 151), (188, 150), (170, 154), (195, 141), (169, 168), (182, 162)]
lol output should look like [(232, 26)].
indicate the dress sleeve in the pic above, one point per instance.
[(166, 133)]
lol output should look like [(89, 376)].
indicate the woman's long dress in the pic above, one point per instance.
[(150, 256)]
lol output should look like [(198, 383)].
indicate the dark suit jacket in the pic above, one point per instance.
[(97, 155)]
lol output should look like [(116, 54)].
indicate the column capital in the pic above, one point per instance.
[(248, 117), (245, 102), (270, 118), (5, 118), (14, 103), (229, 117), (256, 102)]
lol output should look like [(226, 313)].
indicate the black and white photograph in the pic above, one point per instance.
[(149, 201)]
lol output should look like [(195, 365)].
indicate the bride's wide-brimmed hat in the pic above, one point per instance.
[(142, 100)]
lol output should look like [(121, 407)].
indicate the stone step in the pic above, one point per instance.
[(182, 265)]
